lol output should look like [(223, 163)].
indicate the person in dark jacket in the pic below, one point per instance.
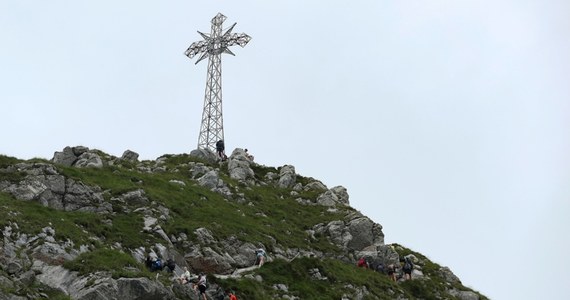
[(220, 148)]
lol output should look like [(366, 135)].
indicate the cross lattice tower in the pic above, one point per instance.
[(213, 45)]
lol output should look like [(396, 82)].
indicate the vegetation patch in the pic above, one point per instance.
[(118, 263)]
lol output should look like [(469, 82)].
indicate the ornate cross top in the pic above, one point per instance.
[(217, 43)]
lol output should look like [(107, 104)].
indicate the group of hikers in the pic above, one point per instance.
[(404, 268), (221, 148), (198, 283)]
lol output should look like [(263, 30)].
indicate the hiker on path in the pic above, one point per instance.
[(249, 156), (392, 272), (220, 147), (260, 257), (379, 268), (408, 268), (185, 277), (231, 295), (362, 263), (171, 265), (202, 285)]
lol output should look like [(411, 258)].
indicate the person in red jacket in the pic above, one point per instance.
[(362, 263), (231, 295)]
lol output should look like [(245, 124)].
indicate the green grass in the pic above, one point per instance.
[(274, 214), (296, 276), (119, 264)]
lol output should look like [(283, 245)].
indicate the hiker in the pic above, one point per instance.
[(231, 295), (379, 268), (202, 285), (249, 156), (148, 262), (362, 263), (171, 265), (157, 265), (259, 257), (408, 268), (185, 277), (392, 272), (220, 147)]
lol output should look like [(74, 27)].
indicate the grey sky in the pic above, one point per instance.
[(447, 121)]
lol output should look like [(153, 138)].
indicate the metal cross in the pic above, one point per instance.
[(213, 45)]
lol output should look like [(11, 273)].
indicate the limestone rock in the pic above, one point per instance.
[(209, 261), (131, 156), (199, 169), (135, 198), (448, 275), (142, 289), (89, 160), (239, 166), (50, 189), (464, 295), (354, 235), (315, 186), (287, 176), (212, 181), (327, 198), (341, 194), (205, 154), (65, 157)]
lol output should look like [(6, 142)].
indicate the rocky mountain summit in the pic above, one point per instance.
[(85, 224)]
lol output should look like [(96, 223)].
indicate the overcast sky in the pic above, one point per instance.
[(447, 121)]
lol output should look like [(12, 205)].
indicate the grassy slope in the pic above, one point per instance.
[(268, 213)]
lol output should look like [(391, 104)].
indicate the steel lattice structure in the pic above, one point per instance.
[(213, 45)]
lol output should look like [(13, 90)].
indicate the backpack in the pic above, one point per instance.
[(158, 264), (408, 265)]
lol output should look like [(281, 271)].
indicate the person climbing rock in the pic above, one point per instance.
[(171, 265), (379, 268), (260, 257), (392, 272), (202, 285), (220, 148), (408, 268), (249, 156), (231, 295), (185, 277), (362, 263)]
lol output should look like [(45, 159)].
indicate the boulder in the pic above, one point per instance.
[(463, 295), (89, 160), (287, 176), (448, 275), (209, 261), (209, 180), (212, 181), (205, 154), (142, 289), (354, 235), (327, 198), (199, 169), (50, 189), (135, 198), (341, 194), (361, 232), (239, 166), (66, 157), (131, 156), (315, 186)]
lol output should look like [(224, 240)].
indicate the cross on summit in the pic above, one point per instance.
[(213, 45)]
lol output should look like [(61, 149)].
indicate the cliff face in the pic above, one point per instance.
[(83, 225)]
